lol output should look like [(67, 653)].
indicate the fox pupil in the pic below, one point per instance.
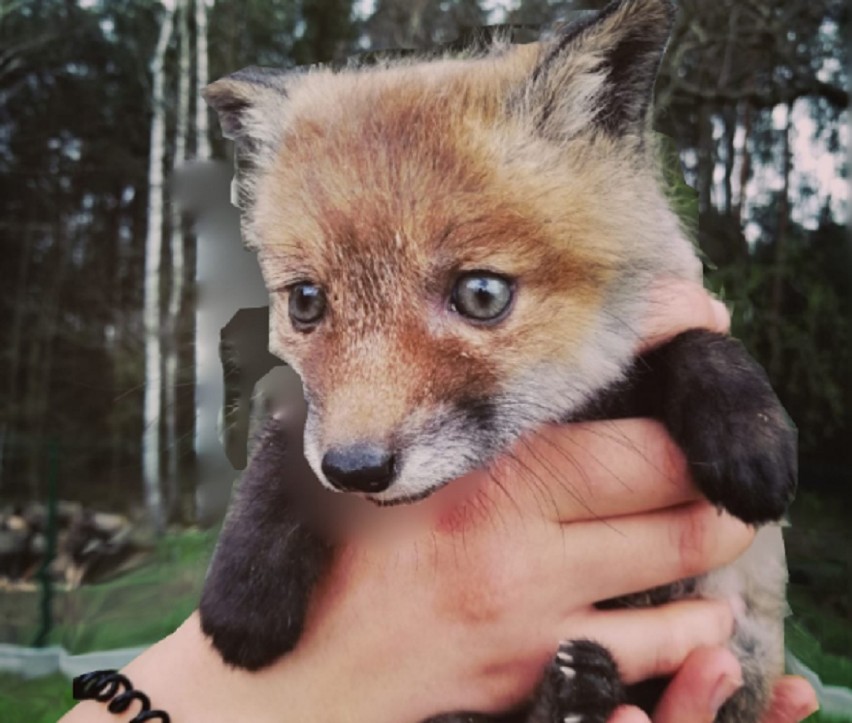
[(482, 296), (307, 304)]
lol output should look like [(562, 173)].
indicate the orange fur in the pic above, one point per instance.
[(382, 185)]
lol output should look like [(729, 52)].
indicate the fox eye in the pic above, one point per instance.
[(482, 296), (307, 305)]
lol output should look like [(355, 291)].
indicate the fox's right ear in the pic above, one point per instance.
[(251, 103), (598, 73)]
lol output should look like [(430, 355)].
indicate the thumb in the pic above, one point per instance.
[(708, 677)]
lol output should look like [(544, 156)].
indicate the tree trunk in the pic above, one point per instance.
[(151, 471), (40, 365), (115, 341), (176, 286), (12, 416), (190, 504), (729, 114), (745, 165), (777, 300), (202, 130), (706, 158)]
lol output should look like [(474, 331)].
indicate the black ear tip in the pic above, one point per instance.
[(224, 92), (670, 10), (655, 17), (663, 10), (231, 99), (208, 92), (237, 92)]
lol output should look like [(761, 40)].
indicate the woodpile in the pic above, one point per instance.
[(90, 545)]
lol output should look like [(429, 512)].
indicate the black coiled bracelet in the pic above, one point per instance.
[(106, 685)]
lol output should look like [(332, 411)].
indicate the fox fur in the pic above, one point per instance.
[(382, 185)]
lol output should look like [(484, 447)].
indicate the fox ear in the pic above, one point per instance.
[(599, 72), (251, 103)]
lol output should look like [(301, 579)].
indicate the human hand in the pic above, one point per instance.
[(458, 603), (465, 612), (506, 556), (706, 679)]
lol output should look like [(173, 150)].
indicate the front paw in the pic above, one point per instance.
[(581, 685), (266, 563), (739, 442), (744, 462), (256, 594), (247, 636)]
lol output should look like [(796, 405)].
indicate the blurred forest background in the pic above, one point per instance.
[(99, 103)]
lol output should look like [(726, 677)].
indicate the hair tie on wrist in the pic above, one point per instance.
[(106, 686)]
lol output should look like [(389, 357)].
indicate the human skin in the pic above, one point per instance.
[(458, 603)]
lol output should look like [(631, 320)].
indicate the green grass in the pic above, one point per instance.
[(41, 700), (819, 553), (832, 669), (135, 609), (823, 718), (140, 607)]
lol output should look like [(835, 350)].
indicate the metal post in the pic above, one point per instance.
[(46, 605)]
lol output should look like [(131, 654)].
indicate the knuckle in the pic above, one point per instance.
[(671, 458), (692, 540), (671, 649), (504, 687)]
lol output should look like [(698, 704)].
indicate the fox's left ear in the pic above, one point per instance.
[(251, 104), (599, 72)]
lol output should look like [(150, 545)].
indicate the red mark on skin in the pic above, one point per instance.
[(463, 504)]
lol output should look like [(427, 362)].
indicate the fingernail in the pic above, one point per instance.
[(725, 688)]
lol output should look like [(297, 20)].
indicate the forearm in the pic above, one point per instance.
[(184, 676)]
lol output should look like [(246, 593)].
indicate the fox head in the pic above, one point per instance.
[(456, 251)]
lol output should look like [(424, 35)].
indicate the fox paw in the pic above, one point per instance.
[(581, 685), (745, 462), (722, 412)]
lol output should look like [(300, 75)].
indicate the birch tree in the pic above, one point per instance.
[(152, 408), (178, 265), (202, 72)]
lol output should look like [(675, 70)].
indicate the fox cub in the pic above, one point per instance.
[(458, 251)]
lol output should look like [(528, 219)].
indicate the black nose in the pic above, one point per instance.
[(361, 467)]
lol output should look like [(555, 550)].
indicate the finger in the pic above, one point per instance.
[(677, 306), (707, 678), (793, 700), (628, 714), (595, 470), (665, 545), (652, 642)]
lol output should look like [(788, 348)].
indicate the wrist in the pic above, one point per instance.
[(184, 676), (319, 683)]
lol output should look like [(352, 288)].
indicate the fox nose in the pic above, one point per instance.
[(361, 467)]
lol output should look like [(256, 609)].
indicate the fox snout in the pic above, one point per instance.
[(361, 467), (402, 460)]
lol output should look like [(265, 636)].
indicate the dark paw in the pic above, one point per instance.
[(257, 590), (265, 566), (717, 404), (581, 685), (739, 442), (256, 593), (251, 642), (745, 462), (255, 597)]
